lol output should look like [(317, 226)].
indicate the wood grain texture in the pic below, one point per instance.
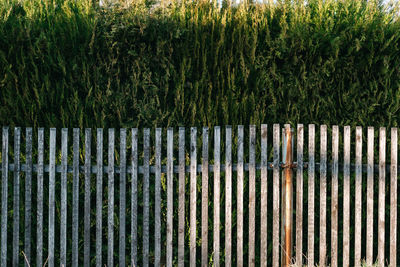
[(52, 208), (346, 197), (204, 199), (157, 200), (181, 204), (370, 197), (193, 195), (99, 197), (134, 205), (264, 196), (299, 195), (275, 198), (75, 197), (393, 196), (240, 184), (16, 196), (335, 196), (381, 197), (358, 199), (170, 192), (146, 197), (87, 207), (122, 199), (4, 195), (311, 194), (39, 222), (217, 166), (252, 195), (63, 218), (228, 196), (28, 196), (322, 196)]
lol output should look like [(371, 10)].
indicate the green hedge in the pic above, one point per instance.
[(68, 64)]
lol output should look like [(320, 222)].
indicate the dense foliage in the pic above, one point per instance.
[(68, 64)]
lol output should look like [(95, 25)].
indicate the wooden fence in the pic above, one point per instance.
[(247, 238)]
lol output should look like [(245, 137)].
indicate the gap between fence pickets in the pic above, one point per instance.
[(117, 169)]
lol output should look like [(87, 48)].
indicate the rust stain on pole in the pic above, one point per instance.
[(287, 197)]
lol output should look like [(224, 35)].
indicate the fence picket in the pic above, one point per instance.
[(322, 196), (311, 193), (157, 201), (299, 195), (193, 194), (381, 197), (275, 197), (239, 221), (346, 197), (370, 197), (134, 162), (146, 195), (204, 199), (181, 205), (264, 198), (170, 202), (28, 196), (16, 180), (75, 197), (217, 149), (252, 195), (110, 193), (335, 194), (393, 197), (52, 174), (4, 196), (40, 173), (358, 199), (99, 197), (228, 196), (122, 199), (86, 241), (63, 218)]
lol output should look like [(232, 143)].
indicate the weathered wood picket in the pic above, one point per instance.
[(290, 220)]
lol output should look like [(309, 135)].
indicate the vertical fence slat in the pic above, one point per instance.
[(52, 174), (110, 193), (39, 223), (193, 194), (204, 199), (299, 195), (28, 195), (346, 197), (228, 196), (157, 201), (63, 218), (181, 204), (134, 162), (99, 197), (335, 196), (381, 197), (393, 197), (370, 197), (75, 197), (170, 176), (122, 199), (264, 198), (4, 196), (358, 199), (217, 149), (252, 195), (86, 241), (322, 197), (275, 196), (17, 167), (146, 195), (239, 221), (311, 193)]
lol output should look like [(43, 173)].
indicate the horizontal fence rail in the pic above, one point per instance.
[(273, 196)]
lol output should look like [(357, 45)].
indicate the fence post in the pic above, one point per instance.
[(287, 195)]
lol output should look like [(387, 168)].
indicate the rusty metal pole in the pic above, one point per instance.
[(287, 196)]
